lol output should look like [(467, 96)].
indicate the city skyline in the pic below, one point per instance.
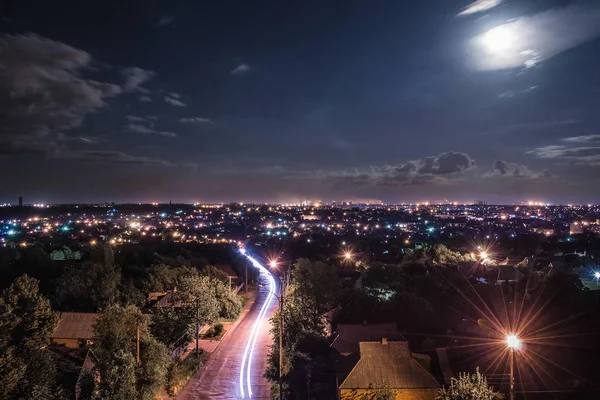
[(266, 102)]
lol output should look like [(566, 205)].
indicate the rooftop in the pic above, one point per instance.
[(74, 325), (388, 364)]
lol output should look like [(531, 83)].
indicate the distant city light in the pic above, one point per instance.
[(483, 255)]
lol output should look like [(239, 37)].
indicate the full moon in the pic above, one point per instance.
[(500, 40)]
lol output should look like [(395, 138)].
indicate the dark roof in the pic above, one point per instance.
[(72, 325), (350, 335), (509, 273), (388, 365)]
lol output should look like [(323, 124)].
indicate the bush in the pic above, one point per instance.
[(218, 329), (183, 370), (214, 331)]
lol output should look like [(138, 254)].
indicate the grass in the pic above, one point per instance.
[(183, 370)]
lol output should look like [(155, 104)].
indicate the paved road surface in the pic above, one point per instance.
[(220, 377)]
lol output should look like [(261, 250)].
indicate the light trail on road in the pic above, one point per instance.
[(249, 350)]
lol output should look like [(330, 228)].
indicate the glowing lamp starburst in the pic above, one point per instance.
[(273, 264), (512, 341)]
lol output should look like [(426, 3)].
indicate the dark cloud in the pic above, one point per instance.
[(44, 94), (195, 120), (440, 169), (507, 169), (113, 157), (145, 99)]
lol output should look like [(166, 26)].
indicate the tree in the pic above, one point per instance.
[(170, 324), (230, 304), (441, 255), (198, 292), (115, 347), (26, 323), (469, 387), (88, 287)]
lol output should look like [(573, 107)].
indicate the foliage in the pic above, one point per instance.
[(198, 293), (214, 331), (230, 304), (26, 323), (163, 277), (314, 289), (180, 372), (115, 348), (215, 273), (88, 287), (383, 393), (469, 387), (170, 324), (312, 371), (441, 255)]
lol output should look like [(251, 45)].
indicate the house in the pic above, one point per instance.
[(391, 366), (346, 343), (508, 274), (163, 299), (76, 370), (75, 329)]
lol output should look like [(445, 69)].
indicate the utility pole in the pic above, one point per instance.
[(197, 331), (282, 291), (137, 357), (512, 376), (229, 282), (246, 287)]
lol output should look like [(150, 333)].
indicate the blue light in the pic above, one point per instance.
[(268, 233), (162, 215), (11, 232), (64, 228), (430, 229)]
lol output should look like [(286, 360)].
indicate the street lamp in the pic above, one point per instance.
[(513, 343), (348, 255), (273, 264), (483, 255)]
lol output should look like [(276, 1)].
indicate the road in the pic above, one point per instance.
[(234, 370)]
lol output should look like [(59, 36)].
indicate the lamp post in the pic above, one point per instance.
[(281, 298), (513, 343)]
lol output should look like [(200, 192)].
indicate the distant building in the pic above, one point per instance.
[(311, 217), (75, 329), (20, 200), (388, 365)]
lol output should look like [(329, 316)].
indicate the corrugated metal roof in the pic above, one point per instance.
[(388, 365), (74, 325)]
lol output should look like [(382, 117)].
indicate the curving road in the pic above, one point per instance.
[(235, 369)]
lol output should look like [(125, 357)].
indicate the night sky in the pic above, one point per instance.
[(403, 101)]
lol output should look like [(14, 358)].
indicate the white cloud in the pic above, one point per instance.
[(145, 99), (166, 20), (139, 128), (240, 69), (479, 6), (134, 77), (195, 120), (174, 102), (583, 139), (526, 41)]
